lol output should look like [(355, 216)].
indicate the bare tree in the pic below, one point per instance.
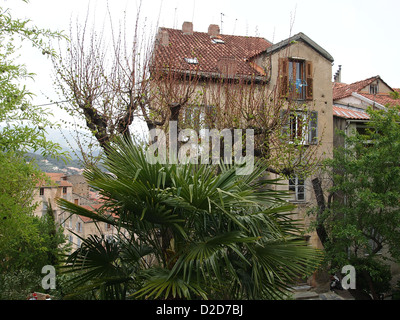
[(105, 80)]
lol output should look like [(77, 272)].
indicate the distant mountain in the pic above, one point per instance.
[(71, 167), (68, 140)]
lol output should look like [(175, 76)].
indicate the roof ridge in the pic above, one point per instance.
[(221, 34)]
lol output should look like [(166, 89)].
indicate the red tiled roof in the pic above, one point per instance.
[(382, 99), (342, 90), (199, 45), (350, 114), (56, 180), (92, 208)]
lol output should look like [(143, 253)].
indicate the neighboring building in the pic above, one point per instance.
[(48, 191), (297, 69), (75, 189), (350, 102)]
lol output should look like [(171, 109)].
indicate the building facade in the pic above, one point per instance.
[(226, 81), (74, 189)]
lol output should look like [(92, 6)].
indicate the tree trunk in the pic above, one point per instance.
[(321, 231), (375, 296)]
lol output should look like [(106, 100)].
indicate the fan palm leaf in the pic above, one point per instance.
[(192, 228)]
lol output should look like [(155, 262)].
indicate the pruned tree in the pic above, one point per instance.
[(106, 81)]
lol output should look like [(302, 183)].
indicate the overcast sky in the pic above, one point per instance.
[(361, 35)]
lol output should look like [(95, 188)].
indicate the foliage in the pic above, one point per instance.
[(372, 273), (186, 231), (27, 242), (364, 217), (17, 285), (22, 124)]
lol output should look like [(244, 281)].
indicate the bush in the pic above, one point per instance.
[(17, 285), (371, 271)]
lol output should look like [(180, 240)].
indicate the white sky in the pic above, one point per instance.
[(361, 35)]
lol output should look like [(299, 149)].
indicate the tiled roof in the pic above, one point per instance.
[(56, 180), (342, 90), (92, 208), (382, 99), (301, 37), (350, 113), (209, 55)]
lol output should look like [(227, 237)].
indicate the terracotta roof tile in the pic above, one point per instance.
[(199, 45), (57, 179), (342, 90), (350, 113), (381, 98)]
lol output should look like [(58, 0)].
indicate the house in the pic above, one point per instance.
[(350, 102), (54, 187), (228, 81), (75, 189)]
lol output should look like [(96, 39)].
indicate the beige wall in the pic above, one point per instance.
[(51, 193), (322, 87), (70, 223), (382, 87), (322, 102)]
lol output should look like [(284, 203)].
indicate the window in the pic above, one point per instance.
[(297, 82), (301, 126), (373, 88), (297, 185), (64, 190), (296, 79), (191, 60), (78, 227), (217, 41), (199, 117), (41, 191)]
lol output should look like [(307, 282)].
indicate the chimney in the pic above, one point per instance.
[(187, 28), (338, 75), (227, 66), (163, 37), (213, 30)]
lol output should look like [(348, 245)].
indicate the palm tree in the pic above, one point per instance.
[(188, 231)]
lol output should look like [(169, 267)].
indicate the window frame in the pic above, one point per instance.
[(374, 88), (284, 78), (295, 185), (309, 120), (296, 84)]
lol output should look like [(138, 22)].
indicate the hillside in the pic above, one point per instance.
[(72, 167)]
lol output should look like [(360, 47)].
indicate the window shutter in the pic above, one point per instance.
[(283, 77), (313, 128), (309, 79)]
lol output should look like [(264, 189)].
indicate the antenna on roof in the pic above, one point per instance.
[(194, 5), (234, 27), (221, 21), (175, 20)]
